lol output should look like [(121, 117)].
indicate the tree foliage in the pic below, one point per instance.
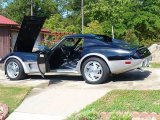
[(17, 9), (94, 27), (136, 21), (1, 6)]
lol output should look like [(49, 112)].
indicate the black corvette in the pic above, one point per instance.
[(93, 56)]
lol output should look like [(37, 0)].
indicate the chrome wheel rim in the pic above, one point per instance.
[(12, 69), (93, 71)]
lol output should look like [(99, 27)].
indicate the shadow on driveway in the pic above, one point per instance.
[(134, 75)]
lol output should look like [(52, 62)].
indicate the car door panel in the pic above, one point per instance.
[(43, 63)]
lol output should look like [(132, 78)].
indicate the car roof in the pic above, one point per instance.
[(81, 35), (89, 36)]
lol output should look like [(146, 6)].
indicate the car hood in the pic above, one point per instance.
[(30, 28)]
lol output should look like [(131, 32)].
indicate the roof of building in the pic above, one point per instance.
[(6, 21), (17, 28), (44, 30)]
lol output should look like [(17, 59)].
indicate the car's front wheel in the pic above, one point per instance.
[(14, 70), (95, 71)]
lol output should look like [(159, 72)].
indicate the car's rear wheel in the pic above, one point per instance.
[(14, 70), (95, 71)]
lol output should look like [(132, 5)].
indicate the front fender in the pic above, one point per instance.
[(23, 59)]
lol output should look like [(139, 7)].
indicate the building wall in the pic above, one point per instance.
[(14, 35), (8, 39), (4, 41)]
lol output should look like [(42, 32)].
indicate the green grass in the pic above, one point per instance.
[(155, 65), (13, 96), (121, 101)]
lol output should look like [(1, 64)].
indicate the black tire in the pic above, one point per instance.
[(105, 74), (21, 74)]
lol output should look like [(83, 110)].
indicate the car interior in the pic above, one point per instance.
[(67, 54)]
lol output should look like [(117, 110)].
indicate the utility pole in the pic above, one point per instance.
[(82, 8), (31, 8)]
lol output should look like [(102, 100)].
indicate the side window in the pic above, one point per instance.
[(70, 42), (81, 42)]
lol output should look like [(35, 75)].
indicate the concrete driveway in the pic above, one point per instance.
[(58, 96)]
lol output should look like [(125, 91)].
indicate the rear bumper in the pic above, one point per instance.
[(146, 61), (120, 66)]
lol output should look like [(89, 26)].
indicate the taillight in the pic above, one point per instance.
[(127, 62)]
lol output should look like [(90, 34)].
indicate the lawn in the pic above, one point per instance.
[(13, 96), (155, 65), (121, 101)]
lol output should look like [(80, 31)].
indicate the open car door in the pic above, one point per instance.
[(43, 63)]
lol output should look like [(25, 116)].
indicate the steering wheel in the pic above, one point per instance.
[(64, 51), (77, 48)]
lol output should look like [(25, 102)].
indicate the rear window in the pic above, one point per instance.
[(103, 38)]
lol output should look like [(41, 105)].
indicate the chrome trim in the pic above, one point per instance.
[(64, 71), (93, 71), (12, 69)]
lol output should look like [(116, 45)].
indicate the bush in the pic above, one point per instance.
[(86, 115), (116, 116)]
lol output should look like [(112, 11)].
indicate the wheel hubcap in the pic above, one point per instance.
[(12, 69), (93, 71)]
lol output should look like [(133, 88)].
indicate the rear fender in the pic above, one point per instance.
[(94, 55)]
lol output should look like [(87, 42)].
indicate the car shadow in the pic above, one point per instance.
[(60, 78), (134, 75), (55, 79)]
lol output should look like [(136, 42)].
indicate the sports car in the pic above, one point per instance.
[(93, 56)]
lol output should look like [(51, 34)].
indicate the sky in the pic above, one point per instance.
[(4, 4)]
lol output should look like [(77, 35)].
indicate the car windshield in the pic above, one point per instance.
[(54, 44)]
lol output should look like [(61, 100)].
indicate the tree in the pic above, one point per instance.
[(17, 9), (136, 21), (137, 17), (144, 19), (94, 27), (1, 6), (54, 23), (58, 23)]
